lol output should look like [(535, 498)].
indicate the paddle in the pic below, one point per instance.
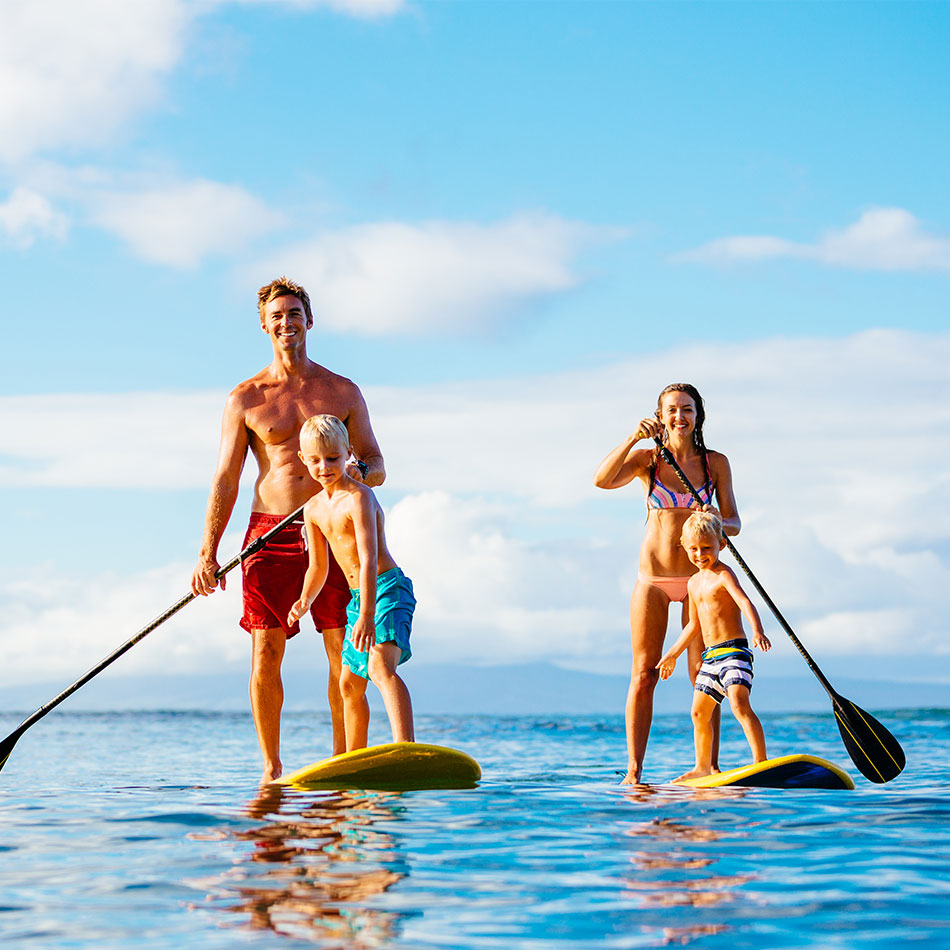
[(6, 747), (876, 753)]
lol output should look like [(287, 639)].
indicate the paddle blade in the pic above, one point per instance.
[(6, 747), (877, 754)]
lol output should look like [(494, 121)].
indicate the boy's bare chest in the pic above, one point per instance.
[(335, 521), (708, 591), (277, 416)]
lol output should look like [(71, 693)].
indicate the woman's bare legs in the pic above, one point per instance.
[(649, 615)]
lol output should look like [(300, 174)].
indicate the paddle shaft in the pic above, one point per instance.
[(252, 548), (673, 464)]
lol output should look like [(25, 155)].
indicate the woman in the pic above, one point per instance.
[(664, 567)]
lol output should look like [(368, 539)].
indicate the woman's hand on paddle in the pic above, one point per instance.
[(298, 610), (666, 666), (364, 634), (203, 580), (649, 428)]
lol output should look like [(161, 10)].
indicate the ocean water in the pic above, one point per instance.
[(146, 830)]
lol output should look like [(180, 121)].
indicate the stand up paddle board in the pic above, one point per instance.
[(787, 771), (396, 766)]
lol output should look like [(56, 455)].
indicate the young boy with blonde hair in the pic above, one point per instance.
[(716, 605), (346, 517)]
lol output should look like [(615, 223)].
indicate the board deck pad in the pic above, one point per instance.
[(787, 771), (398, 766)]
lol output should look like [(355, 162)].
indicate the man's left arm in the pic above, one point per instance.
[(365, 446)]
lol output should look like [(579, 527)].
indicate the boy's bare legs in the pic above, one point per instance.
[(702, 713), (695, 660), (649, 615), (355, 709), (742, 710), (333, 644), (383, 659), (267, 696)]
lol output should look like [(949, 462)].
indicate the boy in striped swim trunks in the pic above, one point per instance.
[(716, 605)]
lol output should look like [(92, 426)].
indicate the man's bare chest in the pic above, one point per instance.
[(277, 417)]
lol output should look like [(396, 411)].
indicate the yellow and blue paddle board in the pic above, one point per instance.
[(787, 771), (398, 766)]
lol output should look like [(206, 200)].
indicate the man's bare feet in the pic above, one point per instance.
[(632, 777), (693, 773), (271, 772)]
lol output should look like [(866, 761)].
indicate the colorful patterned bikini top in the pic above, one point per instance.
[(663, 497)]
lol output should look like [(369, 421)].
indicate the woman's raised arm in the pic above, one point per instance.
[(622, 465)]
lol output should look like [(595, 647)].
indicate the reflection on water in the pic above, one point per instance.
[(313, 862), (650, 886)]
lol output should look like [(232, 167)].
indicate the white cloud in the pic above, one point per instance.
[(888, 239), (840, 450), (168, 440), (391, 277), (180, 223), (162, 218), (27, 215), (478, 583), (74, 70), (57, 626), (877, 630)]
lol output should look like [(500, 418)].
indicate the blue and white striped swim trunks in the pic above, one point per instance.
[(725, 664)]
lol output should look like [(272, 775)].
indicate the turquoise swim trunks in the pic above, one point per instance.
[(395, 603)]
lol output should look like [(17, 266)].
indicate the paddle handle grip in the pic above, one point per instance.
[(673, 464)]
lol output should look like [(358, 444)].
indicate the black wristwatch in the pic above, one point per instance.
[(363, 467)]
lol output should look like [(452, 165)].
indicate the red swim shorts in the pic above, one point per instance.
[(273, 580)]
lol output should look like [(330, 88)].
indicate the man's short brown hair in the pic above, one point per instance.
[(283, 287)]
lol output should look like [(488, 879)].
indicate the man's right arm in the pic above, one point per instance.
[(224, 492)]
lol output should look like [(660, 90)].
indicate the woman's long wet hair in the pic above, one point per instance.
[(698, 440)]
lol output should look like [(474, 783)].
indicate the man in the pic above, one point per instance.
[(264, 414)]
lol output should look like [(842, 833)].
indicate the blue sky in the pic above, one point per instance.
[(518, 222)]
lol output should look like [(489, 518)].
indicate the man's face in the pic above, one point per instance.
[(285, 322)]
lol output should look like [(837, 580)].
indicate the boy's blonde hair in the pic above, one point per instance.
[(702, 523), (328, 430)]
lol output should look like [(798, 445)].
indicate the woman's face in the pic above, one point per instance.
[(678, 414)]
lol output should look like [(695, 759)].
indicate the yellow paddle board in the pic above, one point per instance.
[(395, 766), (787, 771)]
